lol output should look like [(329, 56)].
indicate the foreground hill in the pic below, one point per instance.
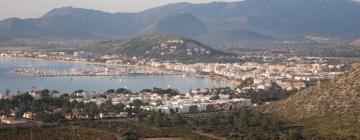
[(163, 47), (331, 109)]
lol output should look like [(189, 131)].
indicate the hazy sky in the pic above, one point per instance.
[(36, 8)]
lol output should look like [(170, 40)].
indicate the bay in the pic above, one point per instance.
[(17, 83)]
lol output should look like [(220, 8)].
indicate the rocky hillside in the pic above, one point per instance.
[(340, 95), (330, 110)]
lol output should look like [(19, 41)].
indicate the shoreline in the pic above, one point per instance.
[(214, 77), (88, 75)]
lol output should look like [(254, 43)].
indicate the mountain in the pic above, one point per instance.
[(163, 47), (185, 25), (332, 108), (74, 22), (280, 17), (283, 19), (233, 37), (91, 22)]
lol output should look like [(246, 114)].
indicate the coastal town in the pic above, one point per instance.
[(286, 73), (166, 101), (257, 81), (180, 70)]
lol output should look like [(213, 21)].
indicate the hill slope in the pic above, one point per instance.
[(340, 95), (233, 37), (163, 47), (332, 109), (185, 25)]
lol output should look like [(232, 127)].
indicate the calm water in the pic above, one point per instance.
[(16, 83)]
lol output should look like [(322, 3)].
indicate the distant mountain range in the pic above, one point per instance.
[(249, 20)]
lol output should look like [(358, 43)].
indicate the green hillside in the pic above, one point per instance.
[(161, 47)]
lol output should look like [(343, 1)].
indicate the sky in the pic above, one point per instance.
[(37, 8)]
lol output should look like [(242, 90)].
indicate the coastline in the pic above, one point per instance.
[(210, 76), (90, 75)]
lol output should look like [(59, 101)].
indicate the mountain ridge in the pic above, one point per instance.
[(285, 19), (176, 24)]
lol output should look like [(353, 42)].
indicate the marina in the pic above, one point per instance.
[(127, 71), (67, 84)]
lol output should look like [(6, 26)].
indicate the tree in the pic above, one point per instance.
[(294, 135), (216, 97), (241, 120), (123, 91), (178, 120), (245, 83), (110, 91), (213, 122), (7, 91), (130, 135), (91, 109), (108, 106)]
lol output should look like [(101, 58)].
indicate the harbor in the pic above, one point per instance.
[(79, 72), (59, 77)]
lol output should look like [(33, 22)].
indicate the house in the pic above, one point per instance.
[(299, 85), (165, 109), (107, 115), (28, 115), (83, 54), (184, 108), (35, 94), (68, 117), (12, 120), (5, 96), (193, 109), (201, 107), (4, 54), (123, 114)]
